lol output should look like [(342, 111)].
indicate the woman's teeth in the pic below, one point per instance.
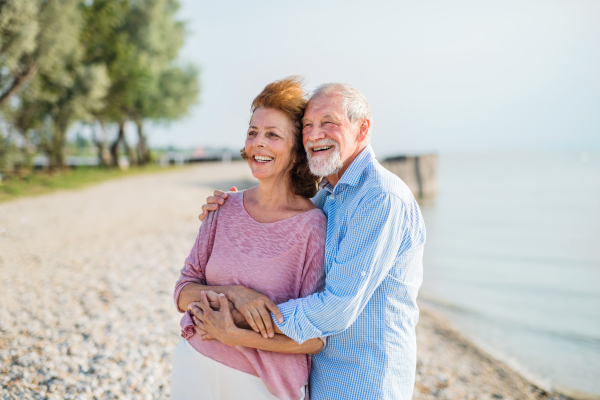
[(322, 148), (263, 158)]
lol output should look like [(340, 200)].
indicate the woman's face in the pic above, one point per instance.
[(269, 144)]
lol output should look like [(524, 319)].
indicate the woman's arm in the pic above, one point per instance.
[(255, 307), (220, 325)]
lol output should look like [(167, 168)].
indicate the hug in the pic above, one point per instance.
[(305, 286)]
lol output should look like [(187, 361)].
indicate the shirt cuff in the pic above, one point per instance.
[(295, 324)]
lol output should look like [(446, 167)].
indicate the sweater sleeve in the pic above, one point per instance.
[(313, 274), (194, 268)]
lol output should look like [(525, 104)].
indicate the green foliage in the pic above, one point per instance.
[(109, 61)]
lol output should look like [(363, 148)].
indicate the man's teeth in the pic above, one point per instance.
[(263, 158), (322, 148)]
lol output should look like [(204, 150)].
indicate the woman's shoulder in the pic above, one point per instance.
[(314, 218)]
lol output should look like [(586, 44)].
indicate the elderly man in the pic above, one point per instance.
[(373, 259)]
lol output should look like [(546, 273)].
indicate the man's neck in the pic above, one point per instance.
[(335, 178)]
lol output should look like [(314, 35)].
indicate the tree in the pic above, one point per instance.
[(18, 31), (65, 89), (139, 41)]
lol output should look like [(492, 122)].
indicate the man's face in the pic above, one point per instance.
[(329, 138)]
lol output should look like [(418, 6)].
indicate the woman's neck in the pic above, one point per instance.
[(273, 194)]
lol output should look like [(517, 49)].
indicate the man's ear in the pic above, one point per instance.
[(363, 129)]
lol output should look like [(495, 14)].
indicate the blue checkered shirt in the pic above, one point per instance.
[(368, 310)]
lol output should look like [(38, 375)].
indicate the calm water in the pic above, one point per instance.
[(513, 259)]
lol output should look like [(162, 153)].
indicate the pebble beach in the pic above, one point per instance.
[(86, 309)]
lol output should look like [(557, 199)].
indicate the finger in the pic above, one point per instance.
[(266, 318), (233, 189), (204, 305), (199, 324), (259, 322), (210, 207), (196, 311), (220, 193), (214, 200), (275, 310), (203, 216), (213, 300), (250, 319), (224, 303)]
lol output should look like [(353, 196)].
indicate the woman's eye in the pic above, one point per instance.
[(273, 135), (251, 133)]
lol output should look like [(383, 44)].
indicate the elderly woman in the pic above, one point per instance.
[(269, 238)]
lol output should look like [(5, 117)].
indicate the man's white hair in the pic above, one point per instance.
[(354, 103)]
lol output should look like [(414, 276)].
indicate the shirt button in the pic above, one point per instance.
[(363, 273), (331, 197)]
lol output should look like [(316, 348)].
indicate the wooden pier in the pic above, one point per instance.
[(418, 172)]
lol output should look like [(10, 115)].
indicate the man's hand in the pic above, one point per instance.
[(257, 309), (216, 324), (214, 202)]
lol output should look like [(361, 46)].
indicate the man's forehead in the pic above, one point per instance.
[(325, 104)]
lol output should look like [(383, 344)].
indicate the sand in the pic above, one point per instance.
[(86, 308)]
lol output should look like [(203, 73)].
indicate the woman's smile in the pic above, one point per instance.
[(263, 159)]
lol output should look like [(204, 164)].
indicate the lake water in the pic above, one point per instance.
[(513, 260)]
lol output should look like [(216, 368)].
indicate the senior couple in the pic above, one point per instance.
[(285, 297)]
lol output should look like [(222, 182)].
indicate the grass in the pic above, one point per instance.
[(40, 183)]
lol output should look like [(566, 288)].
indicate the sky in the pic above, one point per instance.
[(440, 76)]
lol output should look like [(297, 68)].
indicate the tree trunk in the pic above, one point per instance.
[(57, 149), (103, 152), (114, 147), (143, 154)]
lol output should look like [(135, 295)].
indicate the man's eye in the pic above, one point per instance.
[(251, 133), (307, 125)]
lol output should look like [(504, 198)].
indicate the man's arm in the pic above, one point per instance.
[(213, 324), (376, 235), (252, 305)]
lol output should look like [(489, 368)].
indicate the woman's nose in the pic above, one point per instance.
[(259, 141)]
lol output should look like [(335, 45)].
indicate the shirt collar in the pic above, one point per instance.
[(352, 174)]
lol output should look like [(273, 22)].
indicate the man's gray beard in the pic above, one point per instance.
[(323, 166)]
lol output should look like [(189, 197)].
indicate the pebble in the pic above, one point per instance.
[(86, 308)]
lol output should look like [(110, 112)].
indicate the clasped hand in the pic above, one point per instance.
[(215, 317)]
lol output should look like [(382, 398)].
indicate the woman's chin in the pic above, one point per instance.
[(261, 173)]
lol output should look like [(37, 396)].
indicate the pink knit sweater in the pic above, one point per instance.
[(283, 260)]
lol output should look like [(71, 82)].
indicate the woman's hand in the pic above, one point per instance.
[(257, 309), (211, 324)]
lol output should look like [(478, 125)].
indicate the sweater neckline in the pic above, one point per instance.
[(249, 217)]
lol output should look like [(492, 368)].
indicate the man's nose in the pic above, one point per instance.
[(312, 134)]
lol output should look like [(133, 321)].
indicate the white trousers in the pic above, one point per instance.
[(196, 377)]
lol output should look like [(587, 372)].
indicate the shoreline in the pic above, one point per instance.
[(67, 329), (475, 373)]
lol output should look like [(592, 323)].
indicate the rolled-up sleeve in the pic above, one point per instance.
[(376, 235), (194, 268)]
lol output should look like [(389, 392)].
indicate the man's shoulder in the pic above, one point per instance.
[(379, 183)]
